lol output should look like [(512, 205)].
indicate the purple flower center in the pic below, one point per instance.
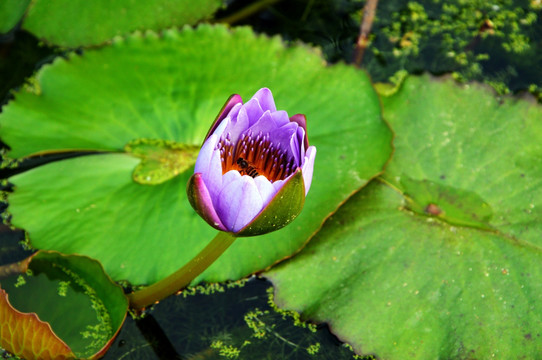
[(255, 155)]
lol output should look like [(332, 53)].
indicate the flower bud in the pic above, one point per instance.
[(254, 169)]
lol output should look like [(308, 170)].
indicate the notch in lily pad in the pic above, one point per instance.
[(161, 160), (453, 205)]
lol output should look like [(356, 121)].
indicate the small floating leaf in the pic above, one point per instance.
[(25, 335), (64, 297), (161, 160), (455, 206)]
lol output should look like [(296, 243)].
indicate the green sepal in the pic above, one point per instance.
[(281, 210)]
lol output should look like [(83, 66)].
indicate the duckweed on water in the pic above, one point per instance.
[(496, 42), (235, 320)]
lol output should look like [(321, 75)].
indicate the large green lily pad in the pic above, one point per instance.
[(474, 142), (82, 23), (165, 87), (11, 12), (441, 257), (64, 307)]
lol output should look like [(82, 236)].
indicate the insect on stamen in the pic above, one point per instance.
[(246, 168)]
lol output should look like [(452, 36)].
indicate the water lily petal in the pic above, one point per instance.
[(265, 98), (235, 110), (301, 120), (266, 189), (244, 121), (213, 179), (282, 136), (201, 201), (279, 183), (203, 161), (209, 165), (230, 176), (308, 167), (280, 118), (300, 136), (238, 203), (296, 147), (221, 127), (231, 122), (227, 178), (265, 125), (252, 110), (225, 111)]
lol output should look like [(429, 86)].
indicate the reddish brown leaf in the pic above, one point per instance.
[(25, 335)]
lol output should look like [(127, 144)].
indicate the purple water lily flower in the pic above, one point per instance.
[(254, 168)]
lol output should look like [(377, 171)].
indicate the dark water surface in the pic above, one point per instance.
[(182, 327)]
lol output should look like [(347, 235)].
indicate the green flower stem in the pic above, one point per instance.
[(182, 277)]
